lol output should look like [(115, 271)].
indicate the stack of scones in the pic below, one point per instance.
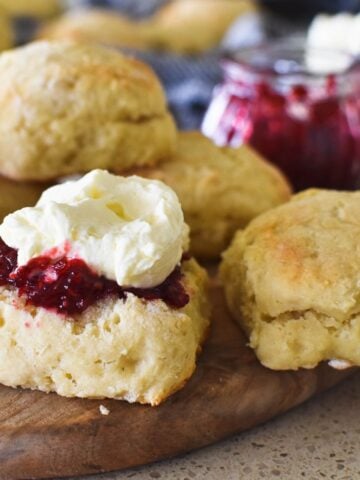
[(101, 289)]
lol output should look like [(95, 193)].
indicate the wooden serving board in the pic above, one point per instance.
[(46, 436)]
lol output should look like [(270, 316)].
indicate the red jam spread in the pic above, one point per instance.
[(69, 286), (308, 126)]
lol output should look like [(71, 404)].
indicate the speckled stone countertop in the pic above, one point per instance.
[(316, 440)]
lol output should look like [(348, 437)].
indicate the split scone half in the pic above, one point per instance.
[(97, 298), (292, 281), (69, 107), (220, 189)]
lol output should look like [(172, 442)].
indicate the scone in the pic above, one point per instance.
[(292, 281), (97, 298), (6, 31), (194, 26), (220, 189), (31, 8), (15, 195), (98, 26), (68, 108)]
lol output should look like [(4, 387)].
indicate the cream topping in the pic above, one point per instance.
[(131, 230)]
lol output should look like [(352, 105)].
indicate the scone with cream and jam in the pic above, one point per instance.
[(98, 297), (68, 107), (292, 281)]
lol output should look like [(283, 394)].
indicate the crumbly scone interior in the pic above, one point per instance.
[(125, 349)]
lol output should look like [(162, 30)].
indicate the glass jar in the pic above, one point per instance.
[(305, 122)]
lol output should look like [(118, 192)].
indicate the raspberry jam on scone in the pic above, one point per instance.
[(69, 286), (101, 236)]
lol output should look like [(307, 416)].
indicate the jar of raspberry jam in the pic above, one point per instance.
[(299, 108)]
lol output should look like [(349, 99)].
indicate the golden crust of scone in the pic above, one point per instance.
[(6, 31), (31, 8), (15, 195), (98, 26), (136, 350), (69, 107), (220, 189), (292, 280), (194, 26)]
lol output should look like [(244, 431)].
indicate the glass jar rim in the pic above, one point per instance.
[(280, 59)]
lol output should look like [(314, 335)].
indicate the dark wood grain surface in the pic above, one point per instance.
[(46, 436)]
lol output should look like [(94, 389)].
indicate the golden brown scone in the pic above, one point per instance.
[(292, 280), (136, 350), (98, 26), (194, 26), (68, 108), (6, 31), (15, 195), (220, 189), (31, 8)]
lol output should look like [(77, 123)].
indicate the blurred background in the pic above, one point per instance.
[(281, 75), (182, 39)]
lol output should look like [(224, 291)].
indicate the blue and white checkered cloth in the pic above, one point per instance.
[(132, 8), (188, 81)]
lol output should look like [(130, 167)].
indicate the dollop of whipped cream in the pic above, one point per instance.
[(130, 230)]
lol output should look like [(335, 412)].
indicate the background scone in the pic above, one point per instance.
[(194, 26), (15, 195), (220, 189), (7, 36), (136, 350), (182, 26), (97, 26), (292, 280), (67, 108), (31, 8)]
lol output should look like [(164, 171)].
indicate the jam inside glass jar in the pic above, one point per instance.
[(305, 121)]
